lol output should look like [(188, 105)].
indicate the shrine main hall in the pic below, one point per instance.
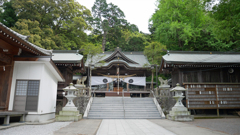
[(112, 73)]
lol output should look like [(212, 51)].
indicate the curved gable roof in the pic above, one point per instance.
[(118, 54)]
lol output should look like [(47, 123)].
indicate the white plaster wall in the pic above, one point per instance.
[(48, 93), (25, 71), (48, 84)]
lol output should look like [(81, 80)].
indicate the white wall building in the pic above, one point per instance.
[(29, 76), (34, 89)]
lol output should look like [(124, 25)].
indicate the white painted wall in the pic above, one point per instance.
[(37, 70), (48, 93)]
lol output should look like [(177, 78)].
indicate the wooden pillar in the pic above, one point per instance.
[(128, 87), (107, 86)]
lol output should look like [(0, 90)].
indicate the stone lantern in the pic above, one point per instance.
[(69, 112), (71, 90), (179, 112)]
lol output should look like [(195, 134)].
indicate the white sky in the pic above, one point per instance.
[(136, 12)]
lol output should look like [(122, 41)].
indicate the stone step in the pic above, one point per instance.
[(114, 107)]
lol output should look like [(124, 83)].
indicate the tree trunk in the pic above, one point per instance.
[(104, 40)]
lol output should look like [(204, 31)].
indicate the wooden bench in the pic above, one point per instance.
[(6, 115)]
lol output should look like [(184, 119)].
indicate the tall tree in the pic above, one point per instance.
[(106, 20), (66, 19), (226, 26), (8, 16), (184, 25), (154, 52)]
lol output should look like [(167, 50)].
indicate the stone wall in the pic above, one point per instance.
[(166, 100), (81, 103)]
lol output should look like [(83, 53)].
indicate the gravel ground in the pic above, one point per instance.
[(46, 129), (227, 125)]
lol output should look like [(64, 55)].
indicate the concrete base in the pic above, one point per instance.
[(68, 116), (39, 117), (180, 114)]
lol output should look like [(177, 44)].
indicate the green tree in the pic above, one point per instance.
[(40, 37), (184, 25), (8, 16), (133, 40), (107, 20), (91, 51), (154, 52), (226, 26), (66, 20)]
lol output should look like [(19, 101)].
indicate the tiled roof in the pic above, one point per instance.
[(24, 38), (201, 57), (66, 56), (138, 59)]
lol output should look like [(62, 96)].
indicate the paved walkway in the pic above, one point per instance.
[(82, 127), (134, 127), (131, 127), (185, 128)]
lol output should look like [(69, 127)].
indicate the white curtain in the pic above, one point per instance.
[(98, 80), (141, 81)]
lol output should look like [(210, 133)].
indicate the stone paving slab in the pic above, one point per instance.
[(227, 125), (131, 127), (82, 127), (184, 128)]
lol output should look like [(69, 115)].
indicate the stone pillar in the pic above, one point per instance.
[(156, 92), (140, 95), (6, 120)]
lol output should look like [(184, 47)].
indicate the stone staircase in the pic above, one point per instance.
[(123, 108)]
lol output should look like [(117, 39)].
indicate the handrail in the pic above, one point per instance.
[(123, 103), (88, 107), (158, 106)]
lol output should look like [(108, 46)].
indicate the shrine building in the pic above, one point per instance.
[(28, 79), (112, 72)]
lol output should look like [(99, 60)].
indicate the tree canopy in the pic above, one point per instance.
[(193, 25), (186, 25), (54, 24)]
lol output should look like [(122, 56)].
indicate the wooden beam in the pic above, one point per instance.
[(24, 59), (10, 49), (4, 58)]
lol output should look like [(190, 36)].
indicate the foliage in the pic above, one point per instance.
[(185, 25), (107, 20), (40, 37), (154, 52), (91, 51), (226, 26), (8, 16), (55, 24), (134, 41)]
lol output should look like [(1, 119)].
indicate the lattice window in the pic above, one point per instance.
[(33, 87), (21, 88)]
